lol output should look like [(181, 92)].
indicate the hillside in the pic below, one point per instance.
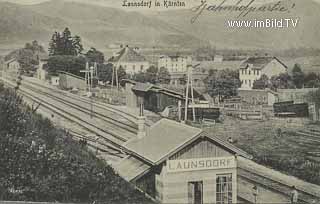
[(101, 26), (211, 26), (19, 24)]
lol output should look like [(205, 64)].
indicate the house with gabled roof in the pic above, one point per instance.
[(130, 60), (12, 66), (253, 68), (176, 163), (171, 154)]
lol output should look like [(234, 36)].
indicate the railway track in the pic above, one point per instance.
[(93, 143), (108, 119), (113, 140), (100, 105), (307, 138), (281, 187)]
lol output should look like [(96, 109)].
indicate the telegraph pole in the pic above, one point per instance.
[(192, 98), (91, 85), (187, 96), (89, 82), (189, 82)]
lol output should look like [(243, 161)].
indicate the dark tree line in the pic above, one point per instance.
[(297, 79), (153, 75), (65, 44), (223, 83)]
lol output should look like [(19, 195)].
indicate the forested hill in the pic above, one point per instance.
[(39, 162)]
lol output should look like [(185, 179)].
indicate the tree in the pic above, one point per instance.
[(312, 80), (261, 83), (93, 55), (28, 57), (297, 76), (65, 44), (67, 63), (35, 47), (121, 74), (223, 83), (281, 81), (163, 76), (152, 74), (105, 73), (27, 60)]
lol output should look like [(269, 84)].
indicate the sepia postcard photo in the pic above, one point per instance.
[(160, 101)]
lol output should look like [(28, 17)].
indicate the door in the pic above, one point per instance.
[(195, 192)]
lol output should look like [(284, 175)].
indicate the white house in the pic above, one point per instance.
[(254, 67), (12, 66), (175, 64), (130, 60), (41, 72)]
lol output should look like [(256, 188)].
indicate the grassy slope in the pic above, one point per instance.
[(63, 171)]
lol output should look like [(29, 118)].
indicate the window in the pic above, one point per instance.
[(249, 82), (245, 71), (134, 67), (249, 72), (254, 72), (195, 192), (224, 189), (257, 72), (141, 67), (245, 81)]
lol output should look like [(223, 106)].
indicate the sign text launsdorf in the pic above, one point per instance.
[(201, 164)]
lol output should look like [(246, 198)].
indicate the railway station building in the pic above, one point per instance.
[(177, 163)]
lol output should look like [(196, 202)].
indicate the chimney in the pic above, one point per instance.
[(141, 123)]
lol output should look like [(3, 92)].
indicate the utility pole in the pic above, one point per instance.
[(115, 75), (89, 82), (189, 82), (187, 97), (192, 98), (91, 86)]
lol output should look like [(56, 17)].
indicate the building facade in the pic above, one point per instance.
[(12, 67), (177, 163), (182, 164), (254, 67), (71, 81), (130, 60), (259, 97), (175, 64)]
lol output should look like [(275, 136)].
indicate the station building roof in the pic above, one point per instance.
[(167, 137), (130, 167)]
